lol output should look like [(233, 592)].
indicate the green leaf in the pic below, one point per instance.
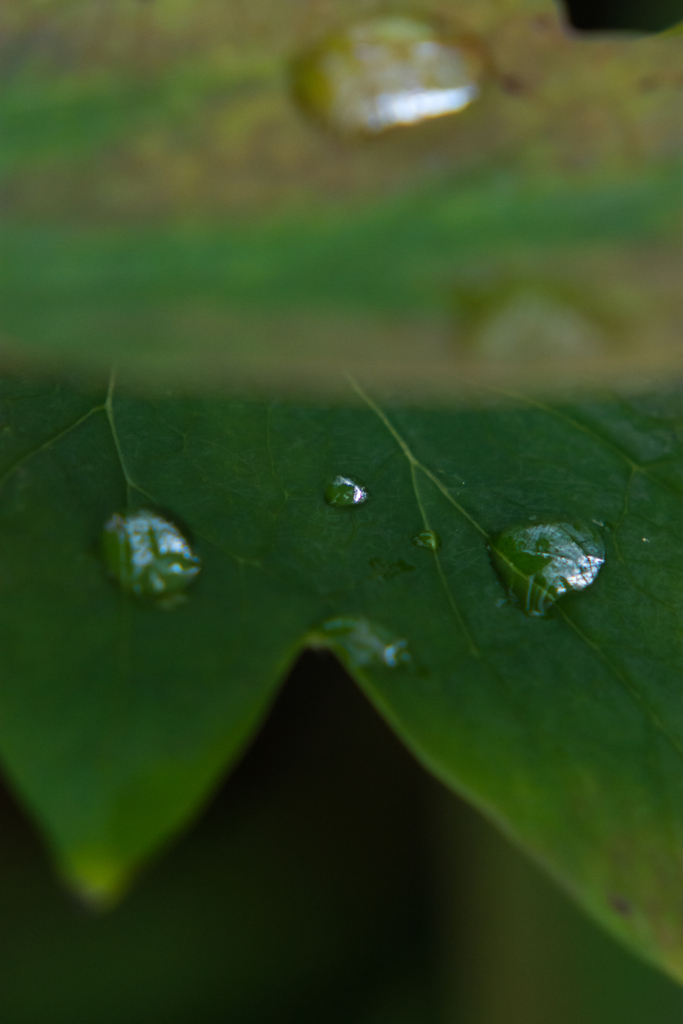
[(173, 210), (118, 716)]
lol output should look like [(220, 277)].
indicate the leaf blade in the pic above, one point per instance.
[(567, 731)]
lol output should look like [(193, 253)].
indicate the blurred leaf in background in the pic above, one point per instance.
[(167, 204)]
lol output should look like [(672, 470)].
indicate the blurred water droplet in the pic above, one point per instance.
[(540, 563), (532, 326), (342, 492), (148, 556), (361, 643), (537, 313), (427, 539), (385, 72), (385, 570)]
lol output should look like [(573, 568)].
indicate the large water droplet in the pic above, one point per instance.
[(148, 556), (540, 563), (361, 643), (427, 539), (342, 492), (387, 71)]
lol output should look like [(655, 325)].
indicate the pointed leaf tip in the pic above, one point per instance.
[(96, 880)]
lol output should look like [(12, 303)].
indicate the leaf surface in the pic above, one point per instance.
[(118, 716), (168, 206)]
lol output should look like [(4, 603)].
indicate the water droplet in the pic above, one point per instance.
[(542, 562), (533, 326), (148, 556), (342, 492), (528, 317), (427, 539), (361, 643), (388, 570), (387, 71)]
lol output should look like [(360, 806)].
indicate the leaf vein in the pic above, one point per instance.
[(47, 444), (628, 686)]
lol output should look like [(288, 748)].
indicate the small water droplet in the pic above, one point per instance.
[(387, 71), (427, 539), (384, 570), (540, 563), (361, 643), (148, 556), (342, 492)]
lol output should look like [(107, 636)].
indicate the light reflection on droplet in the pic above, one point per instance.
[(148, 555), (413, 106), (360, 643), (540, 563), (386, 72), (343, 492), (427, 539)]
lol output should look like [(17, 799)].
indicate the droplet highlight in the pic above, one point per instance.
[(148, 556), (343, 492), (386, 72), (541, 562), (361, 644), (427, 539)]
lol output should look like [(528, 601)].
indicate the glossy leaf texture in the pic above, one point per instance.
[(119, 716), (168, 205)]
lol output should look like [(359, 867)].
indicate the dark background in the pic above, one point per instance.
[(331, 879), (638, 15)]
